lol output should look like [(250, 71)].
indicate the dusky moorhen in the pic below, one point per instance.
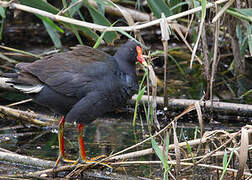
[(81, 84)]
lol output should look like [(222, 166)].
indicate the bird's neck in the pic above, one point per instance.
[(125, 66)]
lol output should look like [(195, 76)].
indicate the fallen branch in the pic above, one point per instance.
[(227, 108)]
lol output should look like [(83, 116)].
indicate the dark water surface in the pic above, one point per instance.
[(104, 136)]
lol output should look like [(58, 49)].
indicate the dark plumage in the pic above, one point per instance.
[(81, 84)]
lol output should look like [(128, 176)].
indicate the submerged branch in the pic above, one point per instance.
[(30, 117), (25, 160)]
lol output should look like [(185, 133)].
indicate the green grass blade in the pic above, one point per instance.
[(98, 18), (189, 149), (179, 5), (249, 35), (238, 14), (105, 2), (196, 4), (75, 8), (130, 37), (226, 162), (88, 33), (99, 40), (246, 93), (244, 11), (101, 8), (52, 33), (203, 4), (140, 94), (51, 23), (137, 103), (76, 33), (40, 4), (166, 174), (177, 64), (143, 79), (43, 5), (158, 7), (139, 97), (159, 152), (2, 12)]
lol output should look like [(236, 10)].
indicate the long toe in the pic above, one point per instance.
[(97, 158), (95, 161), (64, 160), (98, 163)]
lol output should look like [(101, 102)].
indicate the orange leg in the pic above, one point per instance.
[(81, 143), (60, 136), (83, 156), (61, 143)]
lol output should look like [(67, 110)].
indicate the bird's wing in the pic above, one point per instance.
[(71, 73)]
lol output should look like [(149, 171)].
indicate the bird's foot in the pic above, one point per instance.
[(94, 161), (97, 158), (62, 159), (97, 162)]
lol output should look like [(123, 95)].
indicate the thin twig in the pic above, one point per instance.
[(215, 62), (20, 102), (100, 27)]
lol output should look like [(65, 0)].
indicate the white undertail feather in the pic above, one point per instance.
[(6, 83), (28, 89)]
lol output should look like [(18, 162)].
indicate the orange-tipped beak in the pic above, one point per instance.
[(140, 57)]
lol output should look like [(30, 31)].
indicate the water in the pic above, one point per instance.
[(104, 136)]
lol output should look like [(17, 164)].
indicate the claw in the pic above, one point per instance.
[(63, 159), (97, 158)]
